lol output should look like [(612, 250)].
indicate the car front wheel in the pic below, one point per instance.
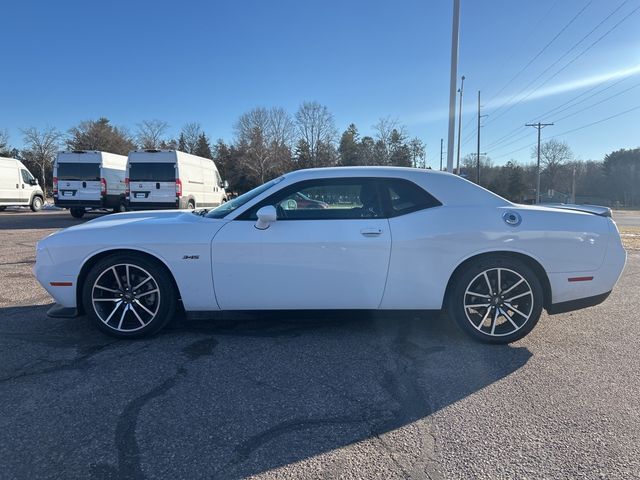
[(129, 297), (496, 299)]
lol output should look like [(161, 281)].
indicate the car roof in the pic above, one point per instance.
[(450, 189)]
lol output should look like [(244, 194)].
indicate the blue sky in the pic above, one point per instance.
[(209, 62)]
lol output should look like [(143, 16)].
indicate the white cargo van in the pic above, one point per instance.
[(18, 187), (89, 179), (159, 179)]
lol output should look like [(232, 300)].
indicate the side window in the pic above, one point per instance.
[(26, 176), (325, 199), (405, 197)]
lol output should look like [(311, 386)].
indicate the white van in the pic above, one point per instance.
[(89, 179), (159, 179), (18, 186)]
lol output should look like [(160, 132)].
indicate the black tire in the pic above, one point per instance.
[(191, 205), (122, 207), (36, 204), (506, 319), (3, 208), (135, 323), (76, 212)]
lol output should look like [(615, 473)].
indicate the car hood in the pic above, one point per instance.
[(138, 220)]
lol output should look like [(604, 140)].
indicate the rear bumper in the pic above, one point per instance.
[(578, 304), (79, 203), (153, 205)]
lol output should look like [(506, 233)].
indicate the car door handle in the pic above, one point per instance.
[(371, 232)]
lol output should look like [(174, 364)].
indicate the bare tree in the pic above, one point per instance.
[(189, 135), (316, 127), (263, 138), (418, 153), (4, 141), (553, 156), (281, 127), (387, 130), (150, 133), (41, 148)]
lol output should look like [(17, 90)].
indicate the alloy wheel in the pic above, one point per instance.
[(125, 297), (498, 302)]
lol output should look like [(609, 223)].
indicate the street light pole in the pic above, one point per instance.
[(452, 83)]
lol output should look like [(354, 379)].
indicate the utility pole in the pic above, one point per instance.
[(461, 91), (539, 126), (452, 83), (441, 145), (478, 151)]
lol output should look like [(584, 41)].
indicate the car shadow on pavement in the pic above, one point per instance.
[(234, 397)]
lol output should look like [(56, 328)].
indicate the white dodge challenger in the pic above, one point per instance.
[(339, 238)]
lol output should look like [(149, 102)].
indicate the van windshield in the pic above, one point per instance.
[(152, 172), (228, 207), (85, 172)]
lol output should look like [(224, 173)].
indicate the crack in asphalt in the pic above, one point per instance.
[(400, 383), (80, 362), (128, 450)]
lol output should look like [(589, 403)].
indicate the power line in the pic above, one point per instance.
[(571, 131), (594, 43), (556, 110), (537, 55), (599, 102)]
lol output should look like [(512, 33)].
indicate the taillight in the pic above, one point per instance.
[(55, 185), (103, 186), (127, 187), (178, 188)]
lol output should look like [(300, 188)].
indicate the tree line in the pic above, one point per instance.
[(271, 141)]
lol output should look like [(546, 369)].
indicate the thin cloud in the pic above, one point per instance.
[(557, 89)]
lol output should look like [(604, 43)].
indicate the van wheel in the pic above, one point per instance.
[(36, 204), (2, 209), (128, 296), (77, 212), (191, 205), (120, 208)]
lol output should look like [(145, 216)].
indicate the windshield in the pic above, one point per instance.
[(228, 207)]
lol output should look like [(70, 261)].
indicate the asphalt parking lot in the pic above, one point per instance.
[(368, 396)]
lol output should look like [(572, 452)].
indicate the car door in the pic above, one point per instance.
[(26, 187), (328, 249)]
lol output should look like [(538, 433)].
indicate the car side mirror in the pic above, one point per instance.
[(225, 185), (266, 216), (33, 181)]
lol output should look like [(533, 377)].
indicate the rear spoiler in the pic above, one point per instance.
[(593, 209)]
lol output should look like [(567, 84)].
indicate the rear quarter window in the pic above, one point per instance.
[(403, 196)]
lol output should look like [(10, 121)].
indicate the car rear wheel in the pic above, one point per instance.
[(191, 205), (496, 299), (36, 204), (3, 208), (129, 297), (77, 212)]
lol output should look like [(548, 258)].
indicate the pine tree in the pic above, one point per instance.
[(203, 148), (348, 148), (182, 143)]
